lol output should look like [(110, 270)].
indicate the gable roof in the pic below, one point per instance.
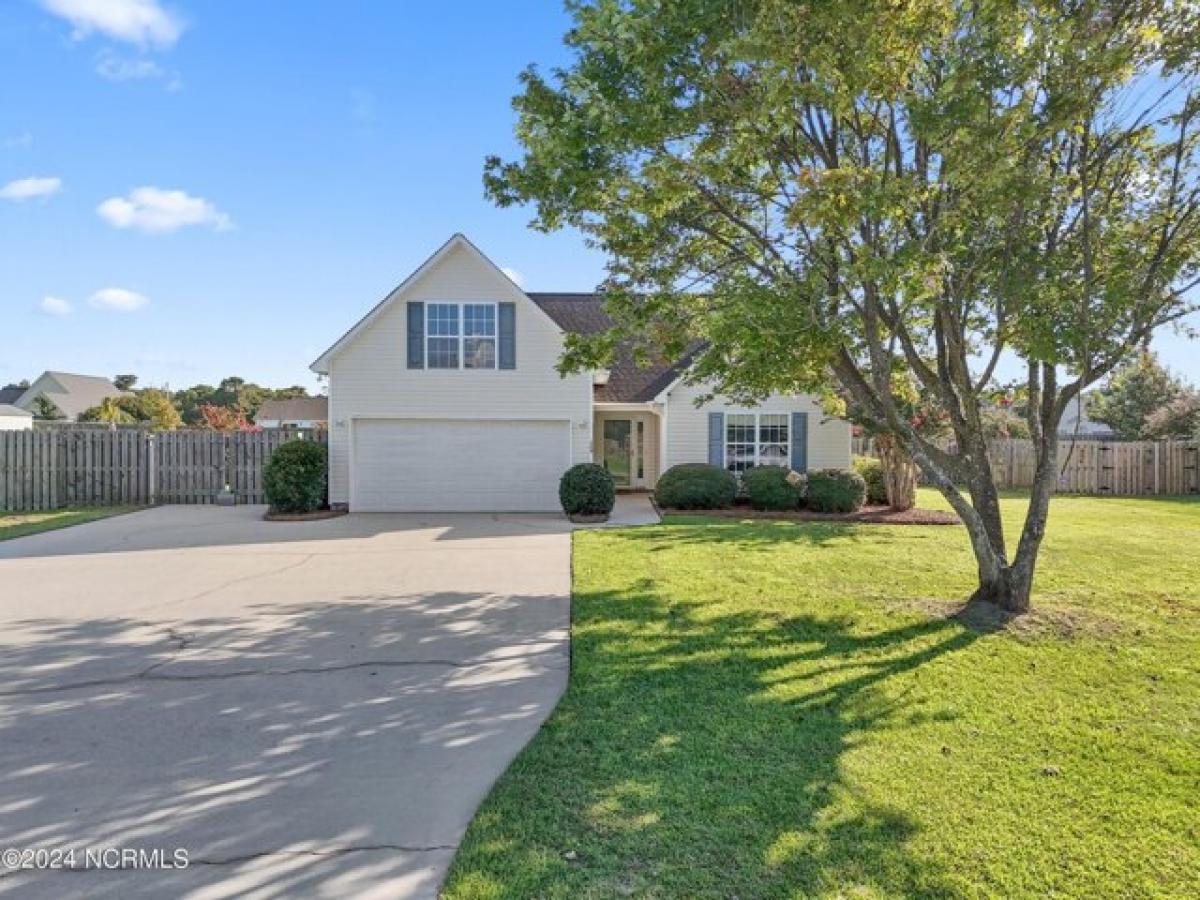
[(458, 240), (294, 409), (7, 409), (1076, 422), (576, 313), (71, 393), (627, 381)]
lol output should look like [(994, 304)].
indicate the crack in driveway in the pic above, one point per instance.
[(420, 671), (151, 673)]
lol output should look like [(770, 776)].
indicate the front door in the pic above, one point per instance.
[(618, 451)]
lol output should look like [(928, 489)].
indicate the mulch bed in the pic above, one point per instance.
[(314, 516), (874, 515), (581, 519)]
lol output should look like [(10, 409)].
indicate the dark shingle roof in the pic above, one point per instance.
[(577, 313), (627, 381), (10, 393)]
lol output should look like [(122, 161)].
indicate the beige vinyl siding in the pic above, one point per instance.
[(369, 378), (687, 427)]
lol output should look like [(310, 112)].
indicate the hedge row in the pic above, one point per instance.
[(701, 486)]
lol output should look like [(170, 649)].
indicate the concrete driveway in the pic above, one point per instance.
[(306, 709)]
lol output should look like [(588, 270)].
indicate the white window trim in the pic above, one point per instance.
[(462, 335), (787, 464)]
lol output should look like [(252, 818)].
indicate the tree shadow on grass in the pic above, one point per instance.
[(750, 534), (702, 754)]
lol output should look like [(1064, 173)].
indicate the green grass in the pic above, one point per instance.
[(15, 525), (791, 710)]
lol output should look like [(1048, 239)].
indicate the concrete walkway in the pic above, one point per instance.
[(305, 709), (629, 510)]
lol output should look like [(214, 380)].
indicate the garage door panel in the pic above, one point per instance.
[(420, 465)]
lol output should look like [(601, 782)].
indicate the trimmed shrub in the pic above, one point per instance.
[(587, 490), (768, 487), (871, 471), (836, 491), (695, 486), (295, 477)]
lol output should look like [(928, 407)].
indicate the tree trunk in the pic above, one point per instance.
[(899, 473), (1001, 583), (1044, 480)]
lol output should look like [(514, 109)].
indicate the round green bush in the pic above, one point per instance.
[(767, 487), (871, 471), (587, 490), (295, 477), (695, 486), (836, 491)]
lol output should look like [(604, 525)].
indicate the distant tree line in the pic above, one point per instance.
[(230, 406), (1144, 401)]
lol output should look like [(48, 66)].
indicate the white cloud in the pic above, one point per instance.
[(25, 189), (517, 278), (141, 22), (28, 188), (117, 299), (119, 68), (55, 306), (160, 211), (114, 68)]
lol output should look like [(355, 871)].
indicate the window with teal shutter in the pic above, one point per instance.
[(416, 335), (508, 335)]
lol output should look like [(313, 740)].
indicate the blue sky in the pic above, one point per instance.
[(301, 156), (344, 142)]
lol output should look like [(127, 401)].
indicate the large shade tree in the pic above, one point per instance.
[(826, 192), (1137, 389)]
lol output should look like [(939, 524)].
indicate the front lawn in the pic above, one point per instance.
[(14, 525), (792, 710)]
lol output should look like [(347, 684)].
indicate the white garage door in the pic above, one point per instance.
[(421, 465)]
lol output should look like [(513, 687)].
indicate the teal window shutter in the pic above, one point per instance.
[(716, 439), (508, 336), (800, 441), (416, 335)]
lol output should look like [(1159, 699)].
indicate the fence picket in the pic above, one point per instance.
[(52, 468), (1107, 468)]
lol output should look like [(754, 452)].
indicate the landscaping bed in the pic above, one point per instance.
[(878, 515), (313, 516)]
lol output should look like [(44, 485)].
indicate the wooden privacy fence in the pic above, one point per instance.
[(42, 470), (1114, 468)]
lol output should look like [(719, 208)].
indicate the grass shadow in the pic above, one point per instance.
[(698, 754)]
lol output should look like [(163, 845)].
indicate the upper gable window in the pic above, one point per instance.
[(479, 336), (443, 335), (460, 335)]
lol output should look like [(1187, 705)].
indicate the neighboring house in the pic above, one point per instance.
[(71, 394), (1076, 424), (10, 393), (298, 412), (445, 397), (13, 418)]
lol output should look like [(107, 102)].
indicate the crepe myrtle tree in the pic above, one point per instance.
[(925, 418), (816, 194)]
